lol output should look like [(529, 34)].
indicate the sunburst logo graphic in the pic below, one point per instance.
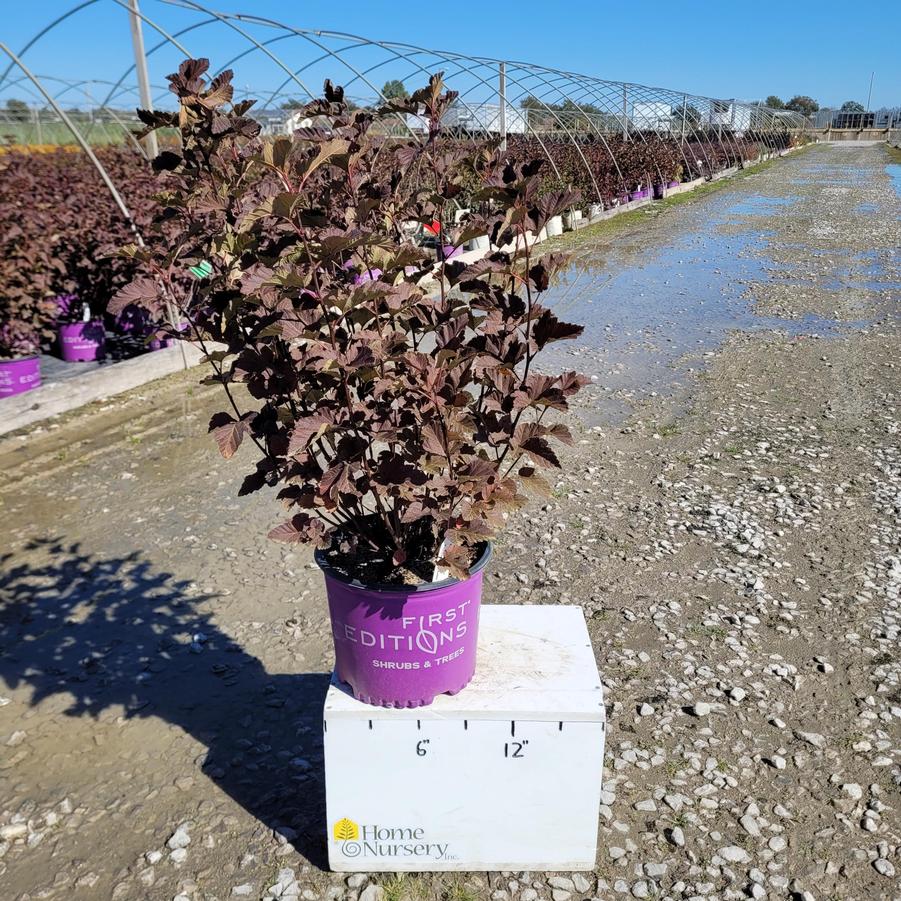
[(346, 830)]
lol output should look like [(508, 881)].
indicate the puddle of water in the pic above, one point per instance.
[(760, 205), (854, 284), (894, 171), (647, 321)]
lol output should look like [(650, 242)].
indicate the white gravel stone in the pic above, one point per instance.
[(581, 882), (734, 854), (655, 870), (884, 867), (12, 831), (812, 738), (179, 838)]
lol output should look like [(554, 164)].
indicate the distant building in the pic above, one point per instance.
[(272, 120), (483, 117), (731, 115), (652, 116), (853, 120)]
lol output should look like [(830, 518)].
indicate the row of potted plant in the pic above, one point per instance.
[(60, 231), (67, 327)]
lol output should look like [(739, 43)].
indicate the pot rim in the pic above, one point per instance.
[(34, 356), (387, 588)]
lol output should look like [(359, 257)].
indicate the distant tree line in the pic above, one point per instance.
[(807, 106)]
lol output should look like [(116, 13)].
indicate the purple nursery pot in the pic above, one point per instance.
[(158, 343), (448, 251), (672, 184), (400, 646), (82, 342), (132, 320), (19, 376), (368, 275)]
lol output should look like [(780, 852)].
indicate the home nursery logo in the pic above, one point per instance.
[(387, 841)]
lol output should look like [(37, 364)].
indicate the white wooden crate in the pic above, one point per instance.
[(505, 775)]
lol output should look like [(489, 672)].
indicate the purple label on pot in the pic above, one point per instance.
[(401, 649)]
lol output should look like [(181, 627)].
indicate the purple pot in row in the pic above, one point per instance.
[(370, 275), (19, 376), (159, 343), (132, 320), (82, 342)]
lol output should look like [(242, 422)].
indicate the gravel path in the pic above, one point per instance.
[(730, 521)]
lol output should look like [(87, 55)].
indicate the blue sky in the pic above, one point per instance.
[(824, 48)]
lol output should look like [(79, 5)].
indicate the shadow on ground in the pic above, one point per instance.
[(116, 633)]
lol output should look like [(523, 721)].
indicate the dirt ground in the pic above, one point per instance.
[(730, 521)]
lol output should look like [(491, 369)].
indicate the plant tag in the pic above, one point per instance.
[(202, 270), (439, 574)]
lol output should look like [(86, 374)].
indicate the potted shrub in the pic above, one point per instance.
[(400, 427), (20, 362), (81, 337), (25, 322)]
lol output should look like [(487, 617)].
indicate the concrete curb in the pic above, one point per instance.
[(53, 398)]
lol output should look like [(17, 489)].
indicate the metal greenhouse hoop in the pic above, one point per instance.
[(508, 98)]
